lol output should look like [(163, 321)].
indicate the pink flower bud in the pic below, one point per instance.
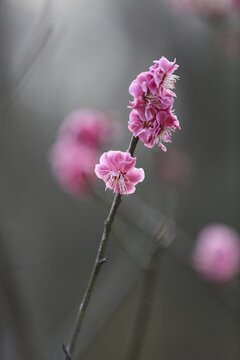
[(217, 253)]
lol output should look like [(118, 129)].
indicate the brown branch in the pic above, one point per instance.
[(100, 260)]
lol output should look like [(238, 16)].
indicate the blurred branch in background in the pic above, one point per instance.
[(148, 222), (141, 232), (37, 44), (22, 336), (145, 301)]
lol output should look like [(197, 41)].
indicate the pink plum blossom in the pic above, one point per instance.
[(236, 4), (174, 168), (154, 131), (88, 127), (162, 72), (117, 170), (208, 7), (77, 147), (73, 165), (217, 253), (152, 118), (153, 89)]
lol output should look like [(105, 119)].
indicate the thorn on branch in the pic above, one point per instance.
[(66, 352), (103, 260)]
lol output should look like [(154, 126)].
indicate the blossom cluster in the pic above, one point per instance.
[(83, 133), (77, 148), (152, 118)]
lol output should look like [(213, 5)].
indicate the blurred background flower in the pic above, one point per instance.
[(214, 7), (78, 146), (217, 253), (174, 168)]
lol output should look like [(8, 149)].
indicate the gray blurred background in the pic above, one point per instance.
[(58, 56)]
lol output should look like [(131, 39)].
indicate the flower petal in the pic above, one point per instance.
[(135, 176), (101, 171)]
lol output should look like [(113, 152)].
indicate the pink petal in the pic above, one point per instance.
[(135, 176), (124, 161), (101, 170), (105, 159), (130, 189), (135, 89)]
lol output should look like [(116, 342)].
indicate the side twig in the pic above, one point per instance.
[(100, 260)]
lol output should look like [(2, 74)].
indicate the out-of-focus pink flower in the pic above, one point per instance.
[(73, 165), (182, 5), (230, 42), (208, 7), (151, 118), (88, 127), (217, 253), (77, 147), (236, 4), (174, 168), (117, 170)]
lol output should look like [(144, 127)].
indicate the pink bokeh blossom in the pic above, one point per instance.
[(73, 165), (236, 4), (174, 168), (88, 127), (152, 118), (117, 170), (217, 253), (207, 7), (77, 148)]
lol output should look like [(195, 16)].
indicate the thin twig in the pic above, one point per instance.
[(100, 260), (173, 254), (11, 291), (145, 304)]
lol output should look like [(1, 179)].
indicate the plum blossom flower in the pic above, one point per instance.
[(73, 165), (208, 7), (146, 95), (152, 118), (162, 72), (236, 4), (217, 253), (154, 131), (88, 127), (77, 148), (154, 87), (174, 168), (117, 170)]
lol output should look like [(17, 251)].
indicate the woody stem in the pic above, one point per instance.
[(99, 261)]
